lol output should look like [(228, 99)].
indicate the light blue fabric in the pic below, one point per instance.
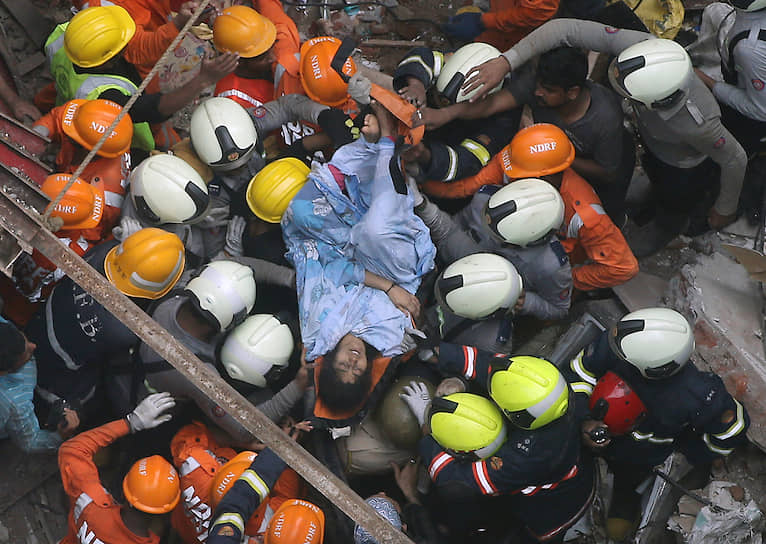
[(332, 239), (17, 413)]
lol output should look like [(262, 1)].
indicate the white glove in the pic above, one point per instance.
[(412, 187), (359, 88), (418, 398), (127, 226), (150, 412), (234, 233)]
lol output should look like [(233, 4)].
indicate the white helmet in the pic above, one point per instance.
[(452, 75), (166, 189), (657, 341), (257, 350), (525, 212), (653, 72), (749, 5), (222, 133), (224, 292), (477, 286)]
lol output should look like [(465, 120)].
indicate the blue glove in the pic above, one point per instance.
[(464, 27)]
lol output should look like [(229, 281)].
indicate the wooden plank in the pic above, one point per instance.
[(17, 221), (377, 42)]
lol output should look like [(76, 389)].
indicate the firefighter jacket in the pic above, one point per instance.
[(547, 473), (690, 411), (460, 148)]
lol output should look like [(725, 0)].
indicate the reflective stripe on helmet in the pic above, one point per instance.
[(157, 286)]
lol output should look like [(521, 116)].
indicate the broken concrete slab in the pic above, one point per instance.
[(643, 291), (724, 304)]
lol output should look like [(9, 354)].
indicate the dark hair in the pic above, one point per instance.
[(339, 396), (12, 345), (564, 67)]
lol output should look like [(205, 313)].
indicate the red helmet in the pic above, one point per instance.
[(616, 404)]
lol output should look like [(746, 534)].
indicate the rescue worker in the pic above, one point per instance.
[(459, 149), (596, 247), (157, 25), (18, 377), (260, 40), (268, 44), (296, 520), (218, 298), (506, 22), (526, 237), (677, 117), (80, 343), (650, 350), (743, 107), (86, 62), (151, 485), (537, 460), (207, 471), (167, 192), (557, 91)]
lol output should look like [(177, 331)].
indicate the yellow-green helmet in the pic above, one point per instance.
[(467, 425), (531, 392)]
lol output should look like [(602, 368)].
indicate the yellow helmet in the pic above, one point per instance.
[(97, 34), (147, 264), (531, 392), (467, 425), (242, 30), (271, 190)]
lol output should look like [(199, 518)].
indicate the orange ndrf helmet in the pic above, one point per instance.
[(228, 474), (536, 151), (296, 521), (242, 30), (319, 78), (86, 121), (83, 204), (152, 486)]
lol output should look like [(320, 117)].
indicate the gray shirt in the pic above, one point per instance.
[(686, 138), (749, 96)]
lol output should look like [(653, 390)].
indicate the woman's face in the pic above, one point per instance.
[(351, 359)]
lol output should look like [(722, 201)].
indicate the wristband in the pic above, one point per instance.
[(389, 288)]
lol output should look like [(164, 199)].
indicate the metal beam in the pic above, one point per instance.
[(27, 229)]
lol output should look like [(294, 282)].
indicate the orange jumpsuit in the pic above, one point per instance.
[(587, 233), (197, 457), (94, 515), (590, 237), (507, 21)]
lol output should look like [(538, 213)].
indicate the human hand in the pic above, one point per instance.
[(404, 300), (151, 412), (22, 109), (595, 434), (359, 88), (217, 67), (430, 117), (487, 76), (417, 397), (386, 121), (234, 232), (520, 301), (449, 386), (414, 92), (706, 79), (127, 227), (302, 376), (406, 478), (371, 128), (718, 221), (185, 12), (70, 423)]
